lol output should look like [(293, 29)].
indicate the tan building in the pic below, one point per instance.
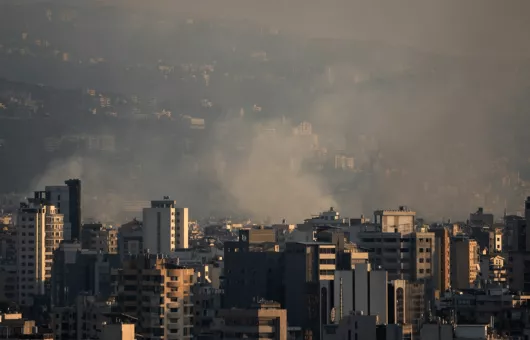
[(442, 259), (118, 331), (14, 327), (401, 220), (465, 263), (39, 233), (493, 268), (405, 256), (157, 291), (409, 304), (266, 320), (99, 238), (495, 241)]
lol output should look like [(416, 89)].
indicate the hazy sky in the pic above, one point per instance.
[(485, 27), (414, 105)]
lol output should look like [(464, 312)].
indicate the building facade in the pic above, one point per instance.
[(165, 227), (157, 291), (39, 233)]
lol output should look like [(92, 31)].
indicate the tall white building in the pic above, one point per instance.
[(165, 227), (39, 233)]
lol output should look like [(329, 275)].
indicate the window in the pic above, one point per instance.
[(421, 271), (421, 250), (421, 260)]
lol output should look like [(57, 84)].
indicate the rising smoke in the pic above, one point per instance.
[(429, 96)]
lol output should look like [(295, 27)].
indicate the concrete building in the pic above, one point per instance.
[(13, 327), (479, 306), (157, 291), (99, 238), (39, 233), (309, 274), (480, 218), (395, 221), (351, 256), (207, 302), (130, 239), (495, 244), (84, 319), (361, 290), (435, 331), (493, 269), (442, 259), (519, 257), (514, 233), (67, 199), (8, 241), (253, 270), (8, 282), (328, 218), (119, 331), (354, 326), (79, 271), (406, 256), (165, 227), (465, 263), (408, 304), (393, 332), (263, 320)]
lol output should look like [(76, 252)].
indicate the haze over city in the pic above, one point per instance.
[(437, 88), (249, 169)]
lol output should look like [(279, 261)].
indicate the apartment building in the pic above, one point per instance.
[(82, 320), (157, 291), (263, 320), (253, 268), (165, 227), (130, 239), (442, 259), (406, 256), (67, 199), (99, 238), (401, 220), (408, 304), (80, 271), (465, 262), (39, 233), (495, 238), (493, 269), (354, 326), (309, 274)]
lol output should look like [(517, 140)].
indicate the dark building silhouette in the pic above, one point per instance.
[(74, 206)]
